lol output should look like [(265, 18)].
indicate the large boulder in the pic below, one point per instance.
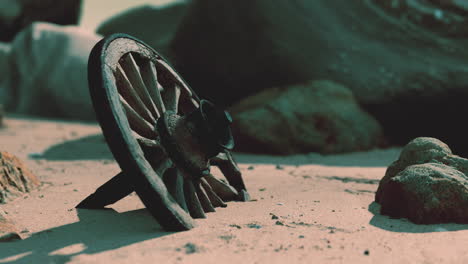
[(412, 78), (46, 72), (15, 15), (154, 24), (427, 184), (15, 178), (319, 116)]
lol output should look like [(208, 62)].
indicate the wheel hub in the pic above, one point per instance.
[(192, 140)]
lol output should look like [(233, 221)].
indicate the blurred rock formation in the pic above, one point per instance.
[(155, 25), (2, 116), (408, 76), (319, 116), (15, 15), (46, 72)]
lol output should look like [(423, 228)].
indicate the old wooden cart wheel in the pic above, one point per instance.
[(162, 135)]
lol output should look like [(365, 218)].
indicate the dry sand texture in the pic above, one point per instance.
[(309, 209)]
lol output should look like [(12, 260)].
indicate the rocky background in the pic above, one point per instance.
[(15, 15), (319, 76)]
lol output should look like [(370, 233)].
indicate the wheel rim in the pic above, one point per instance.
[(132, 89)]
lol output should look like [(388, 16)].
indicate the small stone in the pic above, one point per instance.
[(191, 248), (251, 168), (254, 226), (227, 238), (279, 223)]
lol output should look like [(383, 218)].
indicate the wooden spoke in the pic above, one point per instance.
[(150, 77), (214, 198), (172, 96), (149, 145), (160, 166), (125, 88), (137, 123), (191, 198), (174, 181), (195, 102), (156, 156), (225, 162), (133, 73), (204, 200), (178, 80), (223, 190)]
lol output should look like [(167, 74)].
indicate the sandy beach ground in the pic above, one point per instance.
[(306, 209)]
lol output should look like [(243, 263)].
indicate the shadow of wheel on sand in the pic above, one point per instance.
[(403, 225), (97, 231), (93, 147)]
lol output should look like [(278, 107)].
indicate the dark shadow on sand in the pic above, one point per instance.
[(92, 147), (97, 231), (350, 179), (403, 225)]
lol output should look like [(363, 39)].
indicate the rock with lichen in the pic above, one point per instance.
[(15, 178), (427, 184)]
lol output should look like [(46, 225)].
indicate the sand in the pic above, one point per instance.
[(306, 209)]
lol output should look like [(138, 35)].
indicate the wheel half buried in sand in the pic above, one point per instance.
[(162, 135)]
